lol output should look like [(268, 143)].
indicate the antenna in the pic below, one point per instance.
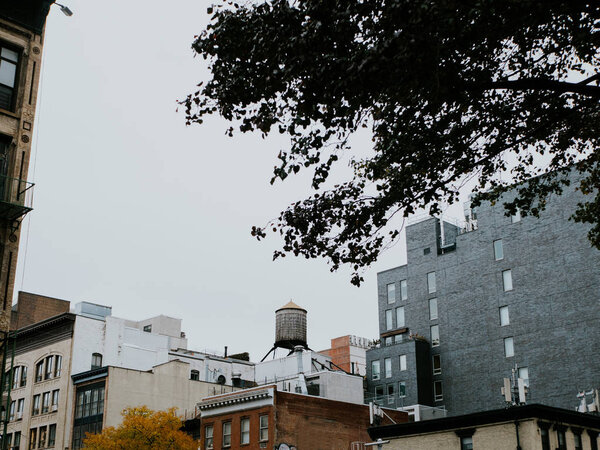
[(514, 389)]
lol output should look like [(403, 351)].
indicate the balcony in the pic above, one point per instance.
[(16, 198)]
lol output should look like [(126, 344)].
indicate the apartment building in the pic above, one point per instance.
[(75, 371), (266, 417), (474, 303), (534, 426)]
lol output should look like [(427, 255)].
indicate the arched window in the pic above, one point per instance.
[(195, 375), (19, 377), (46, 369), (96, 361)]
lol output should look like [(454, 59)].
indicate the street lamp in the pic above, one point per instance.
[(66, 11)]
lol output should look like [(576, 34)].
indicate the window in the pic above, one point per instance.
[(19, 377), (375, 370), (96, 361), (378, 392), (208, 437), (23, 377), (11, 415), (89, 401), (507, 280), (402, 389), (466, 443), (264, 428), (577, 439), (57, 365), (400, 317), (147, 328), (245, 431), (32, 438), (195, 375), (524, 374), (9, 60), (391, 293), (402, 362), (398, 338), (45, 402), (48, 372), (39, 371), (437, 391), (388, 341), (545, 435), (431, 282), (427, 250), (403, 290), (55, 400), (8, 440), (561, 438), (504, 318), (509, 347), (434, 331), (17, 440), (437, 364), (498, 250), (433, 309), (388, 319), (388, 367), (20, 407), (593, 439), (390, 393), (43, 434), (52, 435), (35, 409), (516, 217)]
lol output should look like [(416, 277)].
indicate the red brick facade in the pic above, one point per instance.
[(33, 308), (302, 422)]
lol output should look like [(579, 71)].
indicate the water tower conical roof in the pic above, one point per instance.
[(291, 305)]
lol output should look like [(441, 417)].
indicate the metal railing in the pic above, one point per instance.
[(16, 197)]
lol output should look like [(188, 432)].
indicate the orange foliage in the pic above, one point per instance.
[(143, 429)]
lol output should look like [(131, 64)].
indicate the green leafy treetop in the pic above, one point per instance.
[(452, 91)]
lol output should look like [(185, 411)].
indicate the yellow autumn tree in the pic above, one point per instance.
[(143, 429)]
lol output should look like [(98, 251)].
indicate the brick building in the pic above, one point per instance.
[(349, 353), (21, 43), (266, 417), (473, 302)]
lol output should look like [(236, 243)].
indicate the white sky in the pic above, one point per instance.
[(137, 211)]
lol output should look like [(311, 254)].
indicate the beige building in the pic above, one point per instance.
[(529, 427), (68, 374)]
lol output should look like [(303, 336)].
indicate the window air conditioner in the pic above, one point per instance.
[(19, 415), (54, 408)]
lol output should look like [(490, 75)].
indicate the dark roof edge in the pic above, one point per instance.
[(64, 317), (534, 411)]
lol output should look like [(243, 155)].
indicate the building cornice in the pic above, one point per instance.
[(534, 411), (234, 399)]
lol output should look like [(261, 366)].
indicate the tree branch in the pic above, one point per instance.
[(537, 84)]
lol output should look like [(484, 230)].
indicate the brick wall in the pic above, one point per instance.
[(33, 308), (315, 423)]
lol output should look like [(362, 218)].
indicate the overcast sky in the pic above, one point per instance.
[(135, 210)]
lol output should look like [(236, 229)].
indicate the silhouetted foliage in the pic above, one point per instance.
[(451, 90)]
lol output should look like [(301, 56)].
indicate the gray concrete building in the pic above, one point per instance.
[(497, 293)]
